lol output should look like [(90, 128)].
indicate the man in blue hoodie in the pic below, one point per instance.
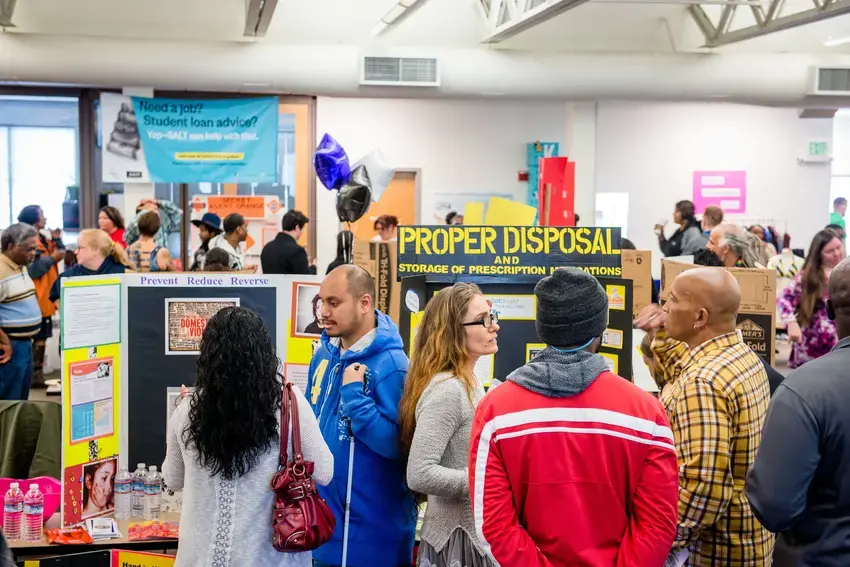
[(355, 384)]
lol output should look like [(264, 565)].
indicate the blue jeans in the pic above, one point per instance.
[(15, 375)]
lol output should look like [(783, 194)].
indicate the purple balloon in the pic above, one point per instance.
[(331, 163)]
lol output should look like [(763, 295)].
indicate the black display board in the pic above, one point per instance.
[(151, 371), (516, 336)]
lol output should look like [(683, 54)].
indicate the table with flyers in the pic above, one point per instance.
[(28, 550)]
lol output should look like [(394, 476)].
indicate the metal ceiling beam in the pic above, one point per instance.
[(507, 18), (766, 22)]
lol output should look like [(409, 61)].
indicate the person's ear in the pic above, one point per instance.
[(700, 319), (830, 310), (88, 481), (366, 303), (595, 345)]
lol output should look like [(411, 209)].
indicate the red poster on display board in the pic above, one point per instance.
[(556, 192)]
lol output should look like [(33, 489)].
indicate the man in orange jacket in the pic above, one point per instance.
[(43, 271)]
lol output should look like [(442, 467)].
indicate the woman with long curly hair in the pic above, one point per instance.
[(224, 443), (803, 303), (435, 420)]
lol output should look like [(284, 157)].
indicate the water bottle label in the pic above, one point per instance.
[(123, 487), (13, 507), (34, 509)]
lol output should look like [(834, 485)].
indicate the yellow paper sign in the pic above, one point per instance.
[(136, 559), (504, 212), (473, 214)]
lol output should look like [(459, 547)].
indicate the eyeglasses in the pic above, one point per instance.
[(486, 321)]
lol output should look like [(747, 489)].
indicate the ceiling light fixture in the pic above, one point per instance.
[(258, 17), (835, 42), (397, 11)]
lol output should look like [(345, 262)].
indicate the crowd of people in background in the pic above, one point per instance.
[(563, 463)]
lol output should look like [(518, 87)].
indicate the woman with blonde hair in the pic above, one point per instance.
[(435, 419), (96, 254)]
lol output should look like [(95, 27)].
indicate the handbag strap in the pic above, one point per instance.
[(289, 414), (297, 455), (284, 425)]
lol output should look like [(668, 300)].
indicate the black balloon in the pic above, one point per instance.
[(354, 196)]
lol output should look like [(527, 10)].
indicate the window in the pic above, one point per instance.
[(39, 159), (612, 209)]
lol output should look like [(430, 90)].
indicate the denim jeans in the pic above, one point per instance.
[(15, 375)]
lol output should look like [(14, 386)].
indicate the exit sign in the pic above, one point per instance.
[(818, 149)]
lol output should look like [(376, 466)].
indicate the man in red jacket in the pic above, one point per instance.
[(570, 465)]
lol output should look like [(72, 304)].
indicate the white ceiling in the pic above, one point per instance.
[(594, 26)]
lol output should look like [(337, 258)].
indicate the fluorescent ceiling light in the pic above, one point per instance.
[(379, 28), (835, 42), (394, 13), (407, 3)]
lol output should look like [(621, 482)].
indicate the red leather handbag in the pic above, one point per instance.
[(301, 520)]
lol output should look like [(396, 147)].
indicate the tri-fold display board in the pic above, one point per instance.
[(131, 341)]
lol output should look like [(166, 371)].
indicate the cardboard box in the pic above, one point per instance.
[(757, 314), (637, 266), (380, 259)]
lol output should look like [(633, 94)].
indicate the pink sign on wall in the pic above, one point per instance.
[(725, 189)]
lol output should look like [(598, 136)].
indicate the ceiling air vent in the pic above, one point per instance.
[(832, 81), (400, 72)]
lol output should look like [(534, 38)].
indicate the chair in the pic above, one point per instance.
[(30, 439)]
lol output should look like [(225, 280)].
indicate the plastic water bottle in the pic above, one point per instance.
[(138, 508), (33, 514), (13, 513), (123, 494), (153, 494)]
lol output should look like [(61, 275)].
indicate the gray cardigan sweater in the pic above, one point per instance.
[(439, 455)]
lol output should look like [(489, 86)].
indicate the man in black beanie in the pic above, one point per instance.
[(585, 458)]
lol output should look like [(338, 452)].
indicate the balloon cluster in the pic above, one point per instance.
[(357, 185)]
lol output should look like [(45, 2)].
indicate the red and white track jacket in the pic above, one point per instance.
[(586, 480)]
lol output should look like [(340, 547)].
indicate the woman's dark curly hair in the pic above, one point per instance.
[(233, 415)]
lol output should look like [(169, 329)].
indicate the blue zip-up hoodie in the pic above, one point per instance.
[(383, 514)]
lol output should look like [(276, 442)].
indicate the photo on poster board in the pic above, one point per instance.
[(91, 385), (186, 319), (306, 312), (97, 488), (532, 350), (612, 338)]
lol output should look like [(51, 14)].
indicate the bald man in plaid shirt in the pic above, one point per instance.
[(717, 404)]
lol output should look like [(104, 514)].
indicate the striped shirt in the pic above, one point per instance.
[(20, 315), (717, 404)]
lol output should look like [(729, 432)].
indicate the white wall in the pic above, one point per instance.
[(650, 151), (464, 146)]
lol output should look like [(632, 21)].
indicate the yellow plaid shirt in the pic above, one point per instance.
[(717, 402)]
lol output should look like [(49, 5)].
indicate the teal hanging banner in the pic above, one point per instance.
[(189, 141)]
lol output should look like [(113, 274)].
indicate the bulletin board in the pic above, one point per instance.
[(518, 339), (129, 341)]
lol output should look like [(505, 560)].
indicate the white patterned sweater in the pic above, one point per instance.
[(229, 523)]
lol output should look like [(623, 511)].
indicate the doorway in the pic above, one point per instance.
[(399, 199)]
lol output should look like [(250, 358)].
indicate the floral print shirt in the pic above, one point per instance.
[(819, 337)]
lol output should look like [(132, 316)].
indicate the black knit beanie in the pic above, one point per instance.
[(572, 308)]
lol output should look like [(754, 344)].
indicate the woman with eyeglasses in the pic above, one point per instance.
[(435, 419)]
